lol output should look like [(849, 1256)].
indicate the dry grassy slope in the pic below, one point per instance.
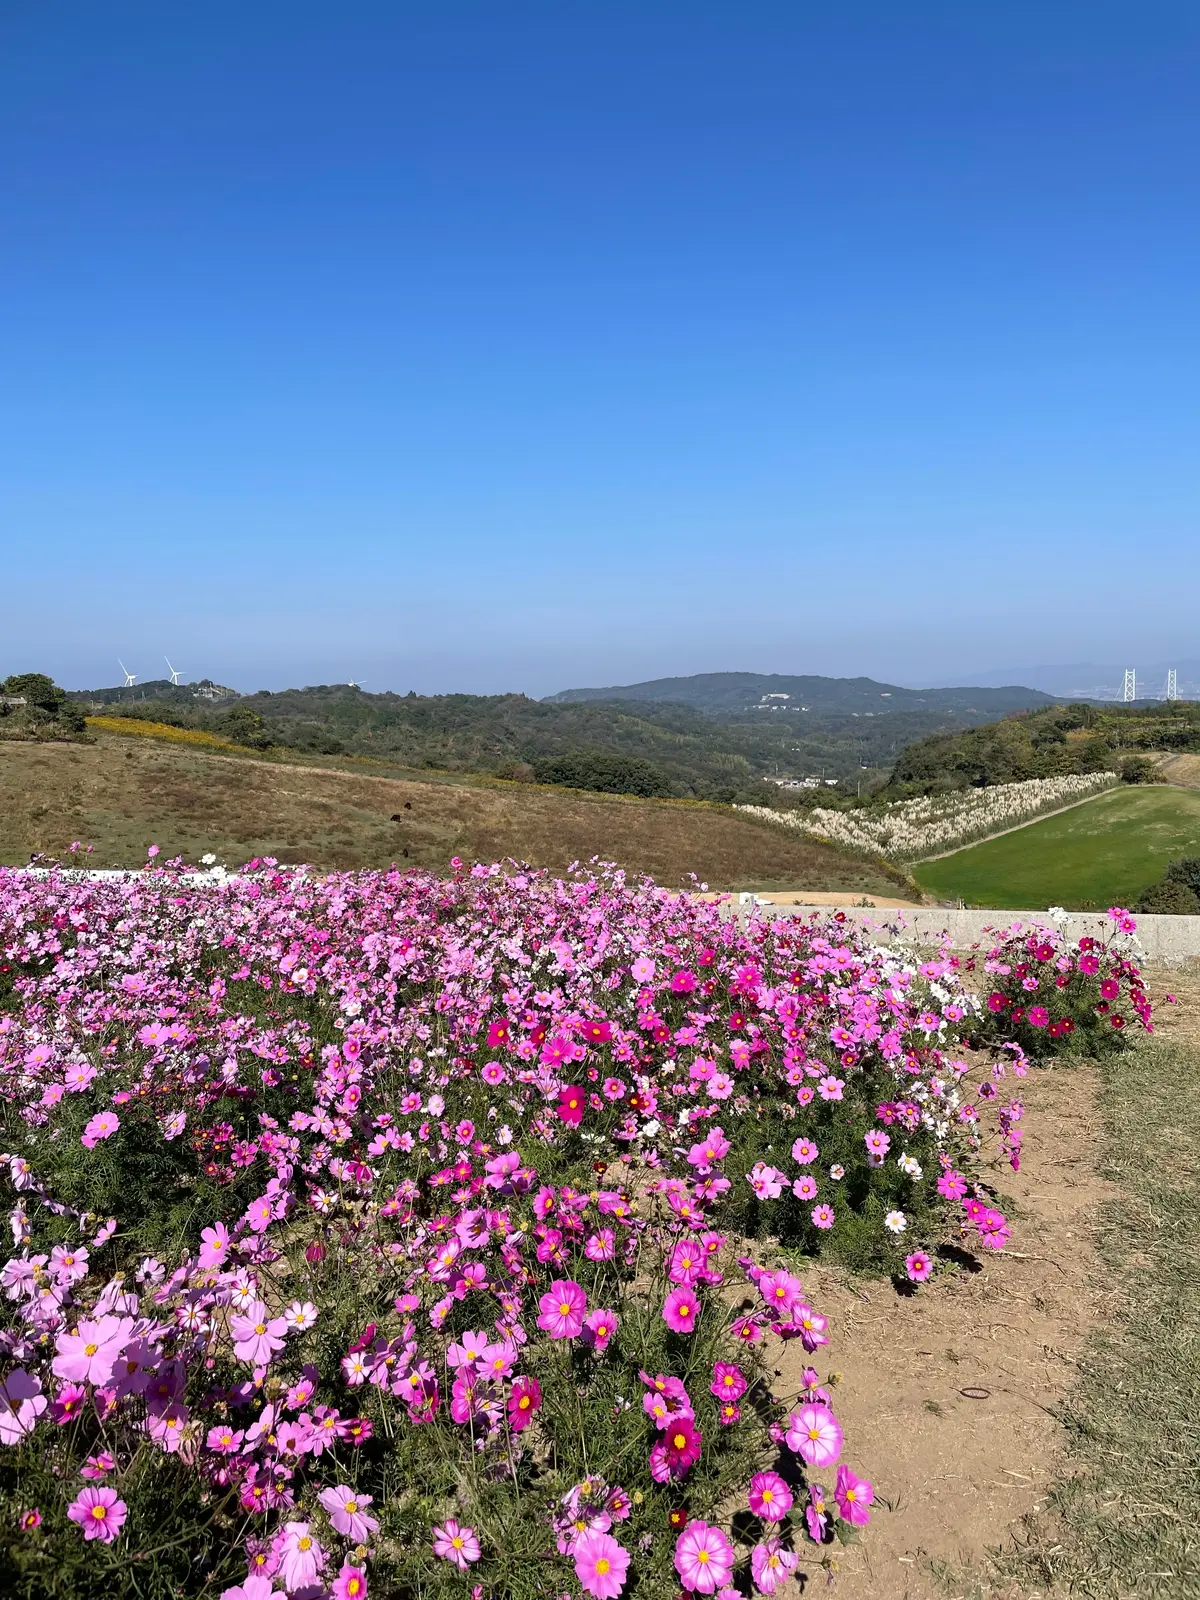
[(121, 794)]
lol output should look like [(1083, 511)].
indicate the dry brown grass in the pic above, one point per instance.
[(121, 794)]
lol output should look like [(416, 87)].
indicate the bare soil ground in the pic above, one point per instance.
[(1181, 769), (123, 793), (948, 1394)]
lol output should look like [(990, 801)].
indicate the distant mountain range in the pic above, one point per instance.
[(1090, 680), (778, 695)]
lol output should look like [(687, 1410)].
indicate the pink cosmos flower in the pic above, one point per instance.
[(21, 1404), (600, 1246), (804, 1151), (350, 1583), (679, 1310), (729, 1381), (561, 1309), (918, 1266), (703, 1558), (822, 1216), (770, 1497), (347, 1512), (256, 1336), (853, 1496), (102, 1126), (99, 1512), (89, 1354), (252, 1587), (643, 969), (710, 1150), (214, 1245), (599, 1328), (68, 1402), (805, 1188), (815, 1434), (301, 1557), (952, 1185), (600, 1565), (830, 1088), (771, 1565), (460, 1546)]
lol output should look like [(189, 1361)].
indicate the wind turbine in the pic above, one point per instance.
[(130, 677), (173, 672)]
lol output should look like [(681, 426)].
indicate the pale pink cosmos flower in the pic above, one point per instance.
[(815, 1434), (214, 1244), (256, 1335), (600, 1565), (347, 1512), (21, 1404), (301, 1557), (456, 1544), (771, 1565), (252, 1587), (102, 1126), (703, 1558), (99, 1512), (89, 1354)]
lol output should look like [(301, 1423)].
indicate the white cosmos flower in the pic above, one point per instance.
[(896, 1221)]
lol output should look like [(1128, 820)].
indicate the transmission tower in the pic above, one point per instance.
[(1172, 687), (1129, 692)]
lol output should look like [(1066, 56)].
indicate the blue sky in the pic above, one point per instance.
[(478, 346)]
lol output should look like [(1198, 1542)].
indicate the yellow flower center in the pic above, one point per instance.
[(702, 1557), (260, 1327), (564, 1308), (768, 1496), (457, 1541), (603, 1565), (90, 1349), (99, 1512), (303, 1543), (351, 1506), (680, 1440), (524, 1403)]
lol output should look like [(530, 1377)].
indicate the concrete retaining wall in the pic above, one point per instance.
[(1166, 941)]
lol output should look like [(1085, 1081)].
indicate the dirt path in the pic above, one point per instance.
[(947, 1395)]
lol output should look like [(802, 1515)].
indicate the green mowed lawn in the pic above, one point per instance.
[(1104, 852)]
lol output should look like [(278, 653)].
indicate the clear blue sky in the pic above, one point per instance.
[(488, 346)]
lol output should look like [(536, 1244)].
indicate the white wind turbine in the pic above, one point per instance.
[(130, 677), (173, 672)]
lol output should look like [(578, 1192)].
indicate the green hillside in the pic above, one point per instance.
[(1044, 744), (1102, 853), (590, 744)]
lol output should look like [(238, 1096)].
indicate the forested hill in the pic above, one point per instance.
[(1080, 737), (641, 748), (757, 694)]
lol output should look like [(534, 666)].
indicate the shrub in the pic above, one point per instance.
[(1140, 769), (1051, 995), (280, 1149), (606, 774)]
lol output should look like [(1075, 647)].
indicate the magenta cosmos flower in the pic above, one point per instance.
[(99, 1513), (853, 1496), (524, 1403), (815, 1434), (561, 1309), (460, 1546), (599, 1329), (729, 1381), (703, 1558), (348, 1512), (770, 1497), (679, 1311), (918, 1266), (600, 1565), (350, 1583)]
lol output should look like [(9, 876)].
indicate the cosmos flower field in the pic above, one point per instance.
[(411, 1236)]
